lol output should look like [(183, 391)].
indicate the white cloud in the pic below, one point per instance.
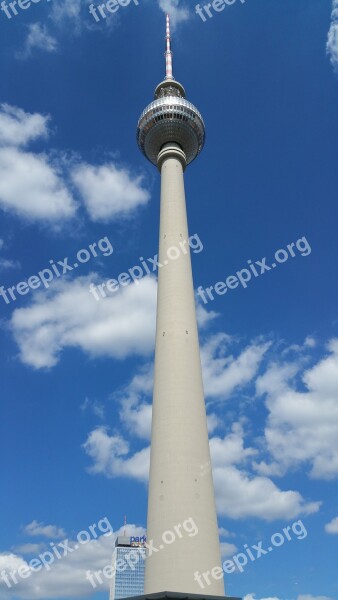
[(136, 409), (241, 495), (253, 597), (302, 426), (110, 453), (67, 576), (135, 400), (18, 127), (32, 188), (38, 38), (204, 316), (137, 417), (332, 38), (6, 264), (227, 549), (310, 597), (301, 597), (108, 191), (332, 527), (177, 12), (111, 456), (68, 316), (28, 548), (75, 14), (30, 184), (40, 529), (225, 533), (123, 325), (213, 422), (230, 449), (222, 372), (66, 9), (94, 406), (309, 343), (238, 494)]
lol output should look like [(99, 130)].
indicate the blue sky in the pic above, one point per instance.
[(76, 373)]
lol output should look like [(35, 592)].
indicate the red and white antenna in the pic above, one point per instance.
[(168, 53)]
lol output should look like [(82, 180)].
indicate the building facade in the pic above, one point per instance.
[(128, 567)]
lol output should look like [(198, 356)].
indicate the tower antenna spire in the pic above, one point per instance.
[(168, 52)]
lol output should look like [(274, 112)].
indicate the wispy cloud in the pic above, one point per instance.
[(18, 128), (40, 529), (7, 264), (93, 406), (310, 597), (332, 526), (332, 38), (38, 38), (177, 11)]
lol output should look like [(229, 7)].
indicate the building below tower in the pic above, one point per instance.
[(128, 567)]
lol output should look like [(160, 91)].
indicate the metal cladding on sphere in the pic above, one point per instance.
[(170, 119)]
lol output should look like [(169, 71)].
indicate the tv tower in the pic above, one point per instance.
[(171, 134)]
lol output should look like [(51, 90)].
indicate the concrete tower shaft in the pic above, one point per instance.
[(180, 484)]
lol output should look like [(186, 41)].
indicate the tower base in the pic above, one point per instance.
[(180, 596)]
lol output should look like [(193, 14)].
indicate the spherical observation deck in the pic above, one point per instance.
[(170, 118)]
